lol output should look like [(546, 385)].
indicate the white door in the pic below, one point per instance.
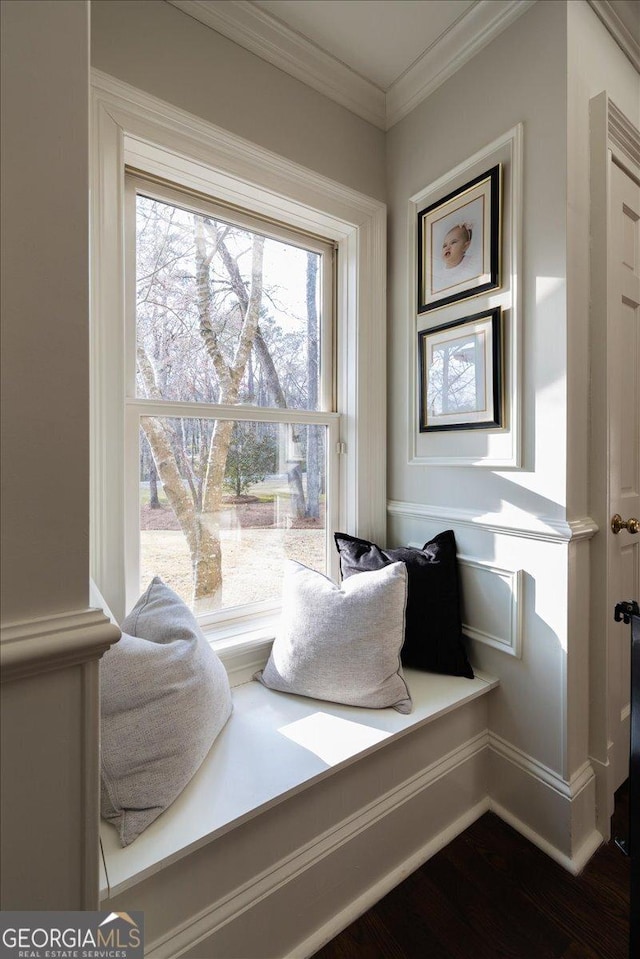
[(623, 349)]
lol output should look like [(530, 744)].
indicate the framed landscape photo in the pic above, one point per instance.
[(459, 243), (461, 375)]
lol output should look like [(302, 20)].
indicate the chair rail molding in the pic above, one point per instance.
[(520, 524), (53, 642)]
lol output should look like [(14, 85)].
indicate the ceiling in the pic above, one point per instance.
[(380, 58), (380, 41)]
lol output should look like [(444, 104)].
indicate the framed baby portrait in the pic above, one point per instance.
[(461, 376), (459, 243)]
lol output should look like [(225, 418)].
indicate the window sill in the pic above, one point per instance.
[(244, 649), (274, 766)]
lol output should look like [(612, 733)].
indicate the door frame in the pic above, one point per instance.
[(613, 139)]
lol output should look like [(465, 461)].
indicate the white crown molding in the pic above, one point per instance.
[(276, 43), (484, 21), (618, 30), (53, 642), (270, 39), (522, 525)]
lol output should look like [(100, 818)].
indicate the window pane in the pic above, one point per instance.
[(224, 315), (224, 504)]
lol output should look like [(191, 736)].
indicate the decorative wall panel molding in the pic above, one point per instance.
[(492, 605), (495, 448)]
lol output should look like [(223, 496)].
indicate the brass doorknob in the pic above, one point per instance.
[(631, 525)]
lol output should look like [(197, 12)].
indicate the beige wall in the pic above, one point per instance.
[(45, 308), (48, 739), (519, 78), (540, 72), (161, 50)]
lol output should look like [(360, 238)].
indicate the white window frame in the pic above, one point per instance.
[(228, 620), (132, 129)]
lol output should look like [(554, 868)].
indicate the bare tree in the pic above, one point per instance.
[(201, 526), (206, 334)]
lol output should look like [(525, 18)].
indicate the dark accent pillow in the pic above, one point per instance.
[(433, 632)]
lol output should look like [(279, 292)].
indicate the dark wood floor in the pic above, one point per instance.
[(491, 894)]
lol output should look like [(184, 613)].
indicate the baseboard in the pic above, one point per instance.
[(377, 890), (556, 815), (573, 864), (605, 793), (358, 907), (356, 862)]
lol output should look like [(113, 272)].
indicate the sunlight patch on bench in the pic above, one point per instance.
[(331, 738)]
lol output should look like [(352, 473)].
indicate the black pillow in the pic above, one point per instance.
[(433, 627)]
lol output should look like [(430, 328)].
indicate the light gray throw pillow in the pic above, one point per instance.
[(341, 643), (165, 698)]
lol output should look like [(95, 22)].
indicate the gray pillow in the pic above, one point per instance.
[(165, 697), (341, 643)]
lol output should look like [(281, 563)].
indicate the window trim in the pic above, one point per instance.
[(135, 130), (226, 620)]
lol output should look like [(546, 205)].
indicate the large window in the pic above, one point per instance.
[(231, 435), (237, 365)]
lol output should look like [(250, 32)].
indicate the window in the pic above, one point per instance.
[(231, 438), (290, 207)]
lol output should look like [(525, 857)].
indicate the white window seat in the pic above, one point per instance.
[(274, 746)]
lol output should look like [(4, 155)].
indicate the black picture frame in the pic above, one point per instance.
[(472, 396), (467, 224)]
